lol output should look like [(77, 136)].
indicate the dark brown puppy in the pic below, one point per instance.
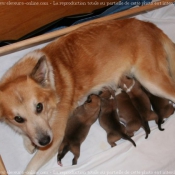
[(139, 99), (109, 120), (127, 112), (162, 107), (78, 127)]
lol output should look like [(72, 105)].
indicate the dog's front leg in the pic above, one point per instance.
[(42, 156), (29, 146)]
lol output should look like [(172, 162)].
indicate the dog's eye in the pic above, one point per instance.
[(19, 119), (39, 107)]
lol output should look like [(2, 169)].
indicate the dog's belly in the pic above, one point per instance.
[(95, 90), (102, 75)]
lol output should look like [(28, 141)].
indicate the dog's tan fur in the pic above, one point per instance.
[(78, 64)]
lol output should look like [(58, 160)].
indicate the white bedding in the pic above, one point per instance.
[(155, 155)]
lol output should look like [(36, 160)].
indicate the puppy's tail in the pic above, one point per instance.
[(169, 47), (146, 127), (158, 119), (159, 123), (126, 137)]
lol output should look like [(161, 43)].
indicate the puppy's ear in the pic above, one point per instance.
[(40, 71)]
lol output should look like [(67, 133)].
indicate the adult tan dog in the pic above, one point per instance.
[(39, 92)]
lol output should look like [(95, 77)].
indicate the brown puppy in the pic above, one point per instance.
[(162, 107), (78, 127), (127, 113), (109, 120), (139, 99)]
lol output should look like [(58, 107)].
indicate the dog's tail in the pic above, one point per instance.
[(126, 137), (159, 123), (158, 119), (146, 127), (169, 47)]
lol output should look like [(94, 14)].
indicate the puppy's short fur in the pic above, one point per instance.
[(57, 76), (139, 99), (78, 127), (109, 119), (127, 112), (162, 107)]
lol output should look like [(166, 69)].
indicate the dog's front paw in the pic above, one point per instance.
[(29, 146)]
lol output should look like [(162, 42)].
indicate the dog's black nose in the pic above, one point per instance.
[(44, 140)]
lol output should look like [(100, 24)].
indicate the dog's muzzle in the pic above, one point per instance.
[(44, 140)]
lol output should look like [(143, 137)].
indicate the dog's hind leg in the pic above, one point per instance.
[(156, 82), (62, 154), (112, 138), (75, 149)]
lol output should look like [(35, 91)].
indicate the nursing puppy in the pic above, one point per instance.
[(109, 119), (78, 127), (41, 90), (139, 99), (162, 107), (127, 113)]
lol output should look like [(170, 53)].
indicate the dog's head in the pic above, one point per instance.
[(28, 103), (92, 105), (126, 83)]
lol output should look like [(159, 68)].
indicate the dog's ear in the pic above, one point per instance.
[(40, 71)]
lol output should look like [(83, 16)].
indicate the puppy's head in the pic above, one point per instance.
[(126, 83), (106, 93), (92, 103), (27, 103)]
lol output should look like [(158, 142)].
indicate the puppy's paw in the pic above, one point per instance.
[(59, 163)]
